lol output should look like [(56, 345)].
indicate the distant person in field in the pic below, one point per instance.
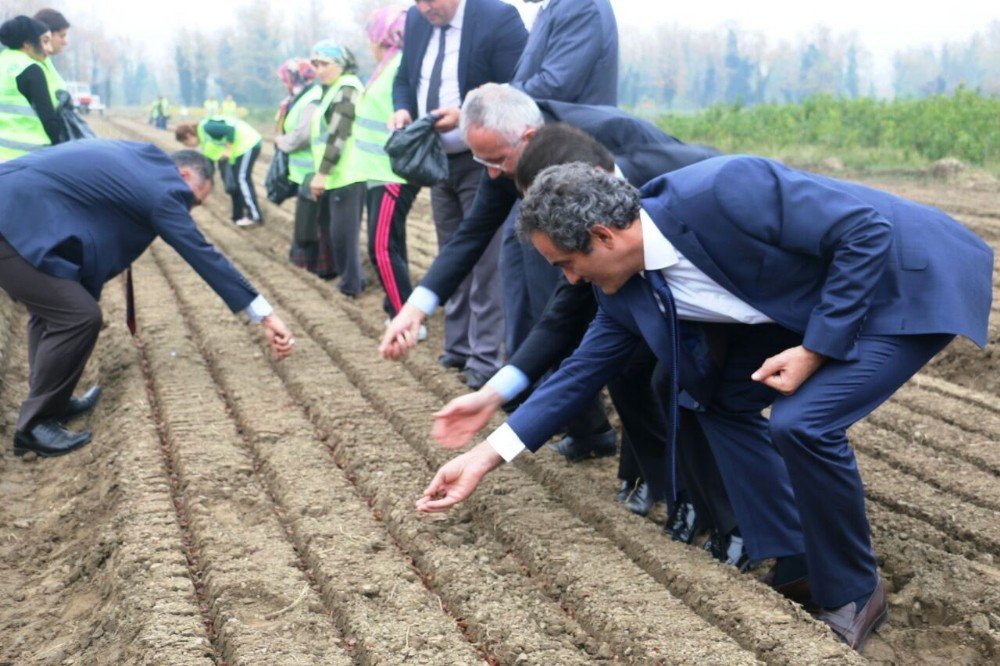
[(228, 106), (71, 218), (28, 118), (311, 233), (210, 106), (160, 112), (229, 140), (828, 296), (59, 27)]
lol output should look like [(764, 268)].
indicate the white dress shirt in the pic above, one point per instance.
[(697, 297), (449, 95)]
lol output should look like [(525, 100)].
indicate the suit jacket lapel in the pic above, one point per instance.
[(469, 37)]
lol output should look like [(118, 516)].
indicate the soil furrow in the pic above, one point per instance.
[(262, 604), (369, 586)]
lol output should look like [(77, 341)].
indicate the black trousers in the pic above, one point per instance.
[(245, 197), (63, 325), (388, 206)]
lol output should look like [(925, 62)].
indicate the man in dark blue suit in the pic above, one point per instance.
[(831, 296), (71, 218), (452, 47), (572, 53)]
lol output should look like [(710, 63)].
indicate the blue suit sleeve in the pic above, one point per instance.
[(798, 213), (172, 222), (601, 355), (511, 36), (493, 203), (573, 48)]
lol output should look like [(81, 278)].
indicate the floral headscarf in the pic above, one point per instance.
[(297, 74), (385, 28), (331, 51)]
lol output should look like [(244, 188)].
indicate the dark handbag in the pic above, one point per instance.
[(276, 183), (73, 126), (228, 177), (416, 153)]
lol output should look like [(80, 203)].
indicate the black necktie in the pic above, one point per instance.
[(660, 287), (434, 85)]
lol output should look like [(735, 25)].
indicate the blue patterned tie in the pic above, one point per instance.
[(660, 287)]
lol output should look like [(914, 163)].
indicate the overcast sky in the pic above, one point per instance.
[(884, 26)]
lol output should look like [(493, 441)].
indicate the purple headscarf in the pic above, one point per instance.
[(385, 28)]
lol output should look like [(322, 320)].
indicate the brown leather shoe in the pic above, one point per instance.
[(853, 627), (796, 590)]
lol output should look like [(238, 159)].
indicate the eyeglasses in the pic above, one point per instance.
[(502, 164)]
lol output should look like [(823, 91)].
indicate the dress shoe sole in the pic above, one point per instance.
[(875, 626), (20, 450)]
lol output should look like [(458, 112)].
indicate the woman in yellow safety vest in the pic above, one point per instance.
[(28, 120), (59, 27), (338, 185), (310, 239), (228, 139), (389, 197)]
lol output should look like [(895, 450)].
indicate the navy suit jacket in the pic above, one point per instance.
[(493, 37), (85, 210), (572, 54), (829, 259), (641, 150)]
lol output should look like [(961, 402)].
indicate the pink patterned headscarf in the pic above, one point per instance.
[(385, 27), (296, 74)]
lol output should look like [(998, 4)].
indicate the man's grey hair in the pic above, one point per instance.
[(567, 200), (195, 161), (500, 108)]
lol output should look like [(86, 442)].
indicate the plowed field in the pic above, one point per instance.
[(233, 509)]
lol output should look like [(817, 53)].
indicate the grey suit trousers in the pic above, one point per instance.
[(473, 324), (63, 325)]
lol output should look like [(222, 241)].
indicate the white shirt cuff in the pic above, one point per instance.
[(506, 442), (258, 309), (424, 300), (508, 382)]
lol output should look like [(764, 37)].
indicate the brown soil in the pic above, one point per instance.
[(234, 509)]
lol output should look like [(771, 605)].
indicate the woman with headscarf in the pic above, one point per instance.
[(389, 197), (337, 184), (310, 239), (28, 120)]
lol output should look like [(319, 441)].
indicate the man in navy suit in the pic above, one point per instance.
[(831, 296), (572, 53), (452, 47), (71, 218)]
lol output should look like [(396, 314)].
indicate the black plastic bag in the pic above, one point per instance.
[(276, 183), (73, 126), (416, 153), (228, 177)]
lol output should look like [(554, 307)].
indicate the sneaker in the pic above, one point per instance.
[(246, 222)]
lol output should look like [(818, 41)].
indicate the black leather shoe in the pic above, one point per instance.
[(49, 439), (474, 379), (796, 589), (624, 490), (854, 625), (451, 361), (641, 500), (681, 524), (728, 549), (82, 405), (600, 445)]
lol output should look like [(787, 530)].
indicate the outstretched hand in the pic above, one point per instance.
[(457, 478), (401, 333), (787, 371), (279, 336), (458, 421)]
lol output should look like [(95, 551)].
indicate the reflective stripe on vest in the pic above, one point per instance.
[(370, 127), (300, 162), (345, 171), (21, 131)]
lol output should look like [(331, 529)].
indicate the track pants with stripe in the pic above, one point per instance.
[(388, 206), (245, 197)]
